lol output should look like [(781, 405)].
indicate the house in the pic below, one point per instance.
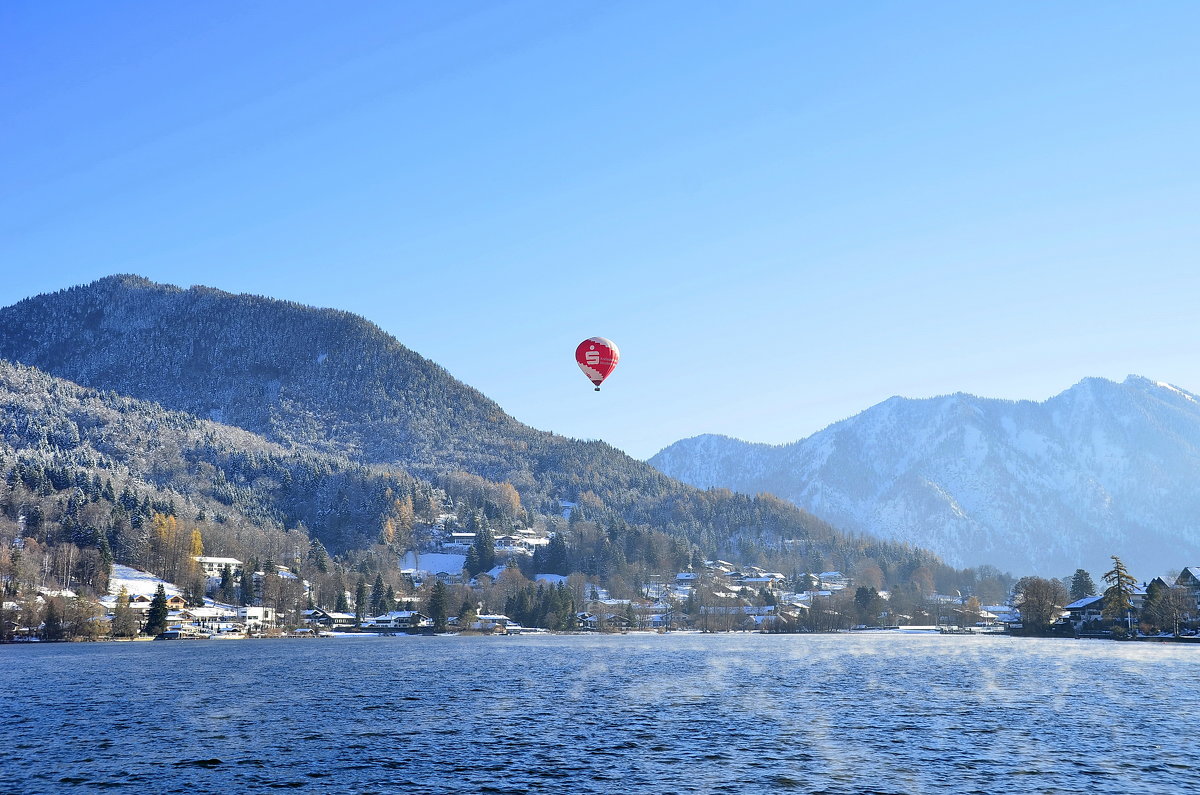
[(603, 620), (1189, 578), (1081, 611), (496, 623), (215, 619), (328, 618), (256, 618), (212, 566), (761, 581), (405, 620)]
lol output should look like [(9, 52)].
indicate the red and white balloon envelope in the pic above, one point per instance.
[(597, 357)]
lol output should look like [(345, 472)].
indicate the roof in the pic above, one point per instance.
[(392, 616), (1079, 604)]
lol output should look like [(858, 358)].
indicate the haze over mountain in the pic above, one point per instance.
[(1103, 468), (330, 383)]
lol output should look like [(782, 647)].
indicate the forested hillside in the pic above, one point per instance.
[(323, 386)]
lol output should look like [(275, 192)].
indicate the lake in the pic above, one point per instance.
[(680, 713)]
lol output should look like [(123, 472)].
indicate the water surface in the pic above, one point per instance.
[(622, 714)]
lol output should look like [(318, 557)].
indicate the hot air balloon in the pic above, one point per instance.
[(597, 357)]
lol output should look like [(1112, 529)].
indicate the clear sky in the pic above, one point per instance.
[(782, 212)]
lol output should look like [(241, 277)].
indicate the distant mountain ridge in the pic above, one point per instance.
[(1100, 469), (331, 383)]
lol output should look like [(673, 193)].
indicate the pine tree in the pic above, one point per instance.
[(438, 599), (246, 595), (471, 564), (360, 602), (377, 596), (1082, 585), (156, 616), (226, 583), (556, 555), (1118, 597), (318, 555), (484, 546)]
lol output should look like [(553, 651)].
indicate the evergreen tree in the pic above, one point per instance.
[(868, 605), (438, 599), (360, 602), (556, 556), (1118, 597), (377, 597), (156, 616), (318, 556), (1082, 585), (1152, 605), (226, 583), (342, 606), (484, 546), (471, 565), (246, 592)]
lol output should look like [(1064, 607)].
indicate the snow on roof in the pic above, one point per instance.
[(386, 616), (1084, 602)]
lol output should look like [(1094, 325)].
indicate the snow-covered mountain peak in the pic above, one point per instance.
[(1044, 487)]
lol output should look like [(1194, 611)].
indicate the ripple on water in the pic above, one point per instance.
[(686, 714)]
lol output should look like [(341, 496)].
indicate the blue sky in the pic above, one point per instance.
[(782, 212)]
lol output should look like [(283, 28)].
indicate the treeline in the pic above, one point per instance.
[(1164, 605)]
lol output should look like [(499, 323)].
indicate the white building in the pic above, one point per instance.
[(212, 567)]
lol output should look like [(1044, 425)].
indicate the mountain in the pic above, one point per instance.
[(326, 383), (78, 453), (1039, 488)]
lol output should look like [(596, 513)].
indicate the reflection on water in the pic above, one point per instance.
[(621, 714)]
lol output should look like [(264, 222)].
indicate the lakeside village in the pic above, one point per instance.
[(233, 599)]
